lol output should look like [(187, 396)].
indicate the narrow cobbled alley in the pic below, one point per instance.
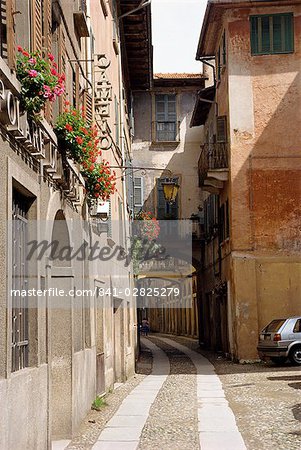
[(180, 405)]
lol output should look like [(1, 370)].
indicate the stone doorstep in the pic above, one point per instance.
[(217, 393), (59, 445), (216, 422), (225, 440), (127, 421)]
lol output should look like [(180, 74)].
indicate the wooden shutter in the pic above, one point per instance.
[(37, 25), (10, 32), (62, 63), (221, 129), (47, 29), (289, 32), (47, 43), (254, 35), (138, 192)]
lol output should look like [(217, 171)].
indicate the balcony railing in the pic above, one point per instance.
[(214, 156)]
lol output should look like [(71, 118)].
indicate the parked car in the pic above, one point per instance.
[(281, 339)]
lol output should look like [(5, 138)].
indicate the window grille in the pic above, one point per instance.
[(20, 344)]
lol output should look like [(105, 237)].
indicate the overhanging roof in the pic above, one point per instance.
[(196, 80), (137, 35), (202, 107), (213, 20)]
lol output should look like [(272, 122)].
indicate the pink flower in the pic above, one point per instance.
[(53, 72), (33, 73), (32, 60), (50, 56)]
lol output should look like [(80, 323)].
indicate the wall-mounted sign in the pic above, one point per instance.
[(102, 100)]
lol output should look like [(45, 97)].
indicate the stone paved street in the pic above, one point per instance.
[(191, 402), (181, 405)]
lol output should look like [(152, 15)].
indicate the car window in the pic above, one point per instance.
[(274, 326), (297, 327)]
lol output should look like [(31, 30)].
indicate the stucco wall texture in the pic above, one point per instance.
[(265, 168)]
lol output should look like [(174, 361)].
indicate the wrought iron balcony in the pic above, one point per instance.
[(213, 165)]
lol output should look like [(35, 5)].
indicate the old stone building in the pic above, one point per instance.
[(166, 147), (250, 167), (57, 354)]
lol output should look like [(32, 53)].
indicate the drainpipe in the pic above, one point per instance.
[(205, 60)]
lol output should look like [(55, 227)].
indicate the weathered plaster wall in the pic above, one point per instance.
[(264, 124)]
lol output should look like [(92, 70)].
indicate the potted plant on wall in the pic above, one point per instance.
[(40, 81), (77, 139)]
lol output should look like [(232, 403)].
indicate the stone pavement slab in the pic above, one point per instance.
[(116, 445), (123, 431)]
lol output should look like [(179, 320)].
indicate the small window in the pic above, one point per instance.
[(166, 117), (272, 34)]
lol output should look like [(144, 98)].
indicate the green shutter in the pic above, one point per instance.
[(277, 34), (289, 32), (254, 35), (265, 35)]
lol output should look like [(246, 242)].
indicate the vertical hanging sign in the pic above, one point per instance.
[(102, 100)]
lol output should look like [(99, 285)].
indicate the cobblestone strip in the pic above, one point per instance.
[(172, 423), (217, 425), (123, 431)]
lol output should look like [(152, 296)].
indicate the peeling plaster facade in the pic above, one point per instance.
[(260, 96)]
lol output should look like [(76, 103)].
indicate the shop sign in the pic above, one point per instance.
[(102, 100)]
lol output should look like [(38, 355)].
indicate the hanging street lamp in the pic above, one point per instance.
[(170, 189)]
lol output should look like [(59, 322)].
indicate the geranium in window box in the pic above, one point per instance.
[(100, 180), (40, 81), (76, 136)]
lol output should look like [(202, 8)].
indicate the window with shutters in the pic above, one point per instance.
[(271, 34), (221, 129), (166, 211), (166, 117), (138, 193)]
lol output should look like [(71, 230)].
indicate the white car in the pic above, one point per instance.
[(281, 339)]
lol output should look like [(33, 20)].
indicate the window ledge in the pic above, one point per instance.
[(166, 143)]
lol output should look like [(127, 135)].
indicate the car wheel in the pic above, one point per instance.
[(279, 361), (295, 355)]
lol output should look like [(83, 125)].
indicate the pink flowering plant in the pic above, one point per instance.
[(39, 78), (150, 228)]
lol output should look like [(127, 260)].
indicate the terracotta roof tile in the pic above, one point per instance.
[(178, 76)]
